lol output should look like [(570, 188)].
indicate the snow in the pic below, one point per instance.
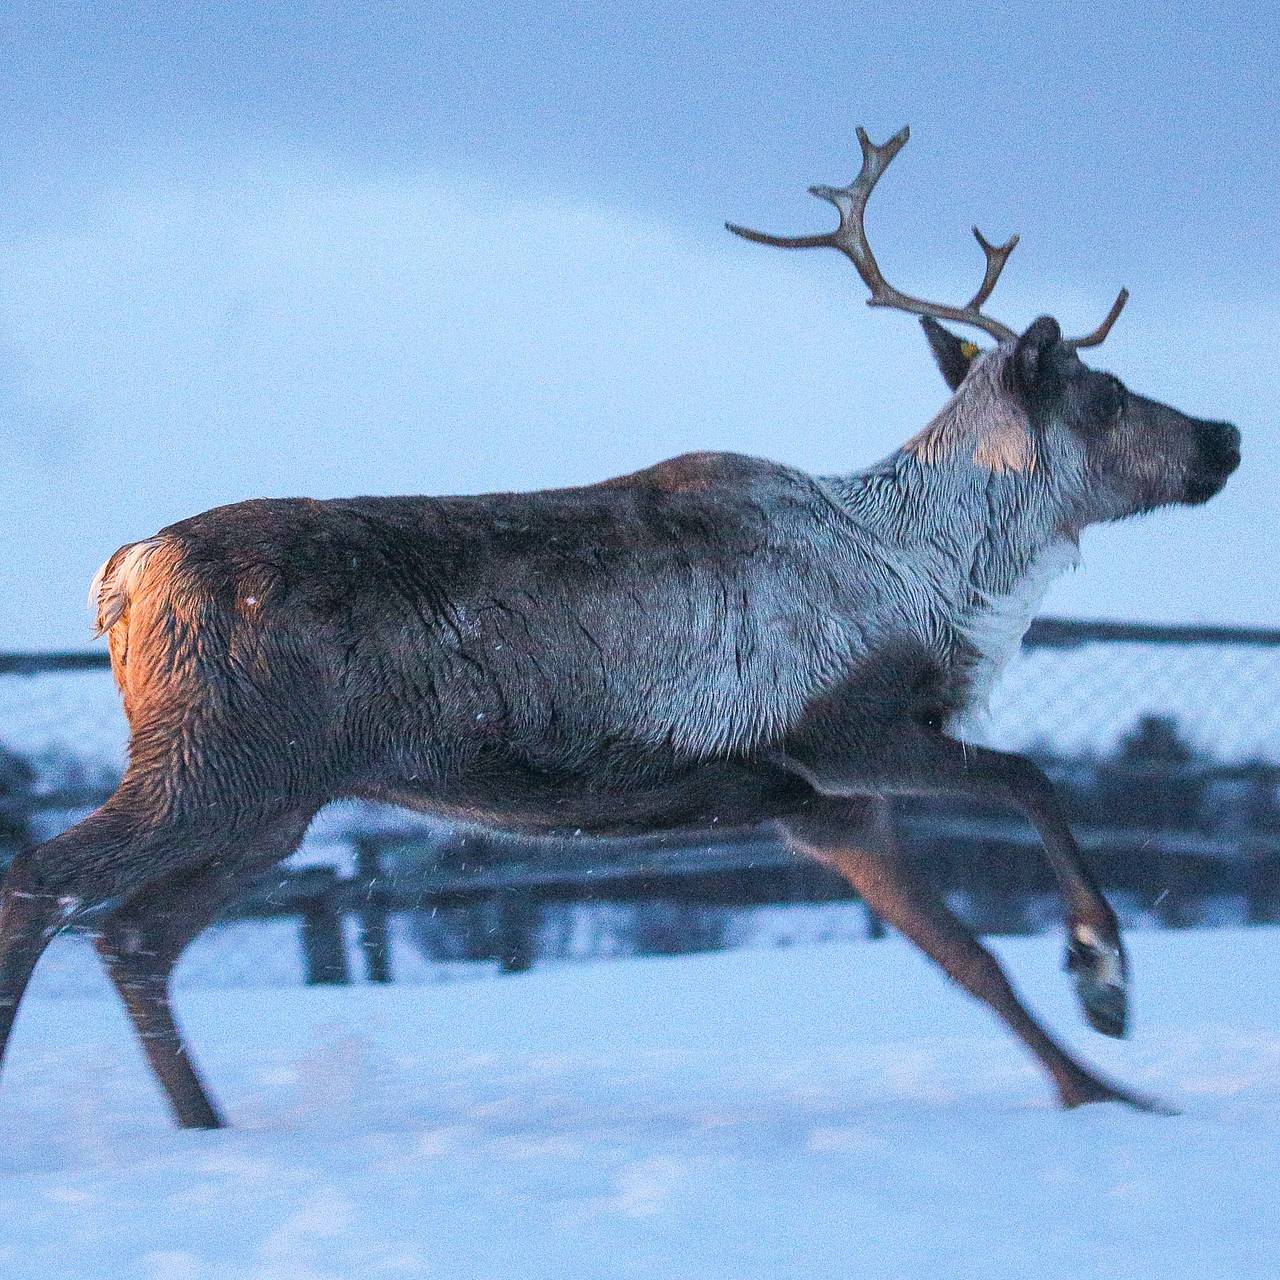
[(805, 1111)]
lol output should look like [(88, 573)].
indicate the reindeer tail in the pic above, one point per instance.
[(114, 584)]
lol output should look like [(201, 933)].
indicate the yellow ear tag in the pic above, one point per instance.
[(969, 349)]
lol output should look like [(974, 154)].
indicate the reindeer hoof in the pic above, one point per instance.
[(1101, 976), (1084, 1089)]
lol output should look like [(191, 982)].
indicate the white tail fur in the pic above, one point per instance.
[(114, 583)]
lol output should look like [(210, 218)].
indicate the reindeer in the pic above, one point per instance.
[(716, 639)]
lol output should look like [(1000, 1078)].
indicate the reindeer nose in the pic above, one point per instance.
[(1229, 434), (1220, 446)]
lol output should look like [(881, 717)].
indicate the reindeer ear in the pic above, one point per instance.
[(953, 355), (1033, 363)]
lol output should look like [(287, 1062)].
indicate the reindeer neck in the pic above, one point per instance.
[(974, 533)]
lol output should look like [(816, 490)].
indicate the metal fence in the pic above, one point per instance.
[(1165, 741)]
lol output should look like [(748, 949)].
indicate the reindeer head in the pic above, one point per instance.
[(1129, 454), (1032, 405)]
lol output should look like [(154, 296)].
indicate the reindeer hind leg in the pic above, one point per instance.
[(48, 885), (141, 942), (30, 916)]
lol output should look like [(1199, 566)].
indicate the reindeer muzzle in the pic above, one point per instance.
[(1217, 456)]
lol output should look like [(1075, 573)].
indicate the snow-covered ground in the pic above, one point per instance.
[(810, 1111)]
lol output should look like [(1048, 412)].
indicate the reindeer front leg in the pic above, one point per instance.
[(854, 838), (914, 759)]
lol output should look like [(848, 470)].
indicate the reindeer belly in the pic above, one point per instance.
[(705, 797)]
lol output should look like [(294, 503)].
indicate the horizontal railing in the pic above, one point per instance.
[(34, 664), (1065, 633), (995, 864)]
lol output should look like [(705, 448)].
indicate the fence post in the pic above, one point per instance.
[(324, 947), (518, 918), (1262, 882), (1180, 897), (374, 931)]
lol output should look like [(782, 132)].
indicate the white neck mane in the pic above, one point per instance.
[(995, 627)]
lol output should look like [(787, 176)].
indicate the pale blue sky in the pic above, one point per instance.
[(349, 248)]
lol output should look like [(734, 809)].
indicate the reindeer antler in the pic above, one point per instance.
[(850, 237), (1104, 328)]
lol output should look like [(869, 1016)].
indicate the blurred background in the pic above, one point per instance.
[(253, 249)]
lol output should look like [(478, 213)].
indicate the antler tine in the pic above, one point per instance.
[(997, 255), (849, 201), (1093, 339), (850, 237)]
